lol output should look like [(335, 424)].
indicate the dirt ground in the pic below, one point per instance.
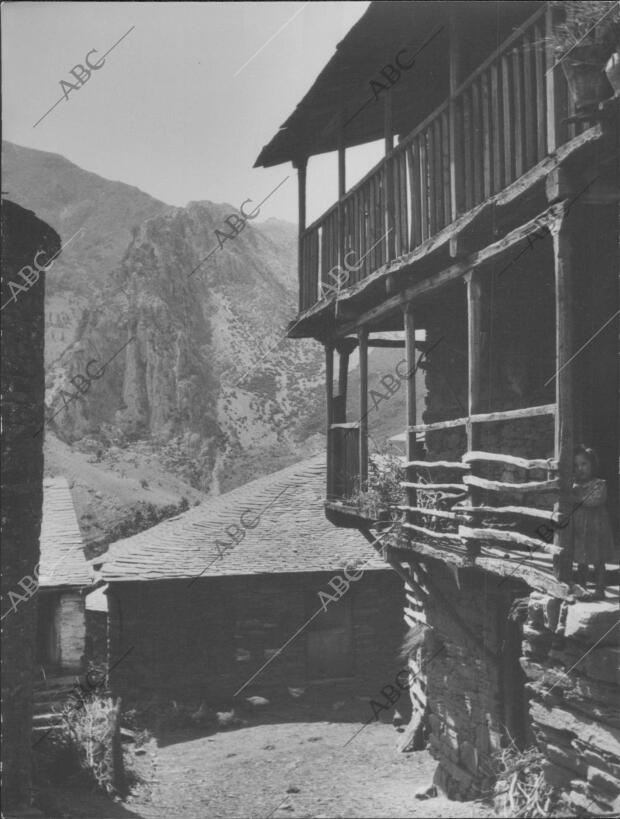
[(293, 764)]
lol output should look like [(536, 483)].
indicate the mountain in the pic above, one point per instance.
[(168, 373), (207, 383)]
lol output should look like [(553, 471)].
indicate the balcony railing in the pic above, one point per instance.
[(493, 129)]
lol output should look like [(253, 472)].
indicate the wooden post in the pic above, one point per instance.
[(363, 440), (301, 166), (329, 394), (474, 334), (564, 444), (390, 217), (410, 352), (345, 347)]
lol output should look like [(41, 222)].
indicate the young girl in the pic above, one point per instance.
[(592, 537)]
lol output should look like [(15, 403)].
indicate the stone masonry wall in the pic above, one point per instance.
[(572, 661), (23, 392), (202, 642), (465, 682)]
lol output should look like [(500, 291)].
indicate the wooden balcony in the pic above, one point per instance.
[(497, 126)]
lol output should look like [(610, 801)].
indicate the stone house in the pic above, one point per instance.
[(64, 580), (490, 224), (203, 600)]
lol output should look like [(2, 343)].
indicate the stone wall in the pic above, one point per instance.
[(572, 661), (23, 388), (202, 642), (474, 686)]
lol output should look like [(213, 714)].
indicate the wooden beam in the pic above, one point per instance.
[(435, 513), (548, 464), (431, 533), (417, 485), (520, 511), (513, 538), (362, 341), (438, 465), (563, 377), (502, 486)]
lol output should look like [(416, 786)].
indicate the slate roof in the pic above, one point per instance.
[(292, 534), (62, 561)]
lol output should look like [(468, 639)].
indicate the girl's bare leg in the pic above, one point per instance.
[(581, 575)]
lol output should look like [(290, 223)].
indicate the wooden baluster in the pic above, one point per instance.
[(437, 184), (507, 125), (486, 135), (403, 222), (445, 172), (551, 101), (529, 101), (416, 201), (477, 142), (468, 163), (540, 90), (424, 188), (496, 129), (457, 202), (517, 81)]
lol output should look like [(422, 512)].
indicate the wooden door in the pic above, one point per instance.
[(329, 642)]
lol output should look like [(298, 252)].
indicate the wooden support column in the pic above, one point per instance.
[(329, 395), (344, 347), (474, 335), (301, 165), (564, 430), (363, 440), (410, 351), (390, 215)]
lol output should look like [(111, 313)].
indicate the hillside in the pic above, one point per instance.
[(192, 378)]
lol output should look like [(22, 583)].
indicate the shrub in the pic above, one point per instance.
[(90, 731)]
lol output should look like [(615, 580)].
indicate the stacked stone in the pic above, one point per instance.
[(572, 661)]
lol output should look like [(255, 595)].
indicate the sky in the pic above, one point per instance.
[(185, 101)]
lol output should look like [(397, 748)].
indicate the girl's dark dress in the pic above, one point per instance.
[(592, 537)]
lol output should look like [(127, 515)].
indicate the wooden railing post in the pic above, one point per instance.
[(363, 439), (564, 443), (301, 166)]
